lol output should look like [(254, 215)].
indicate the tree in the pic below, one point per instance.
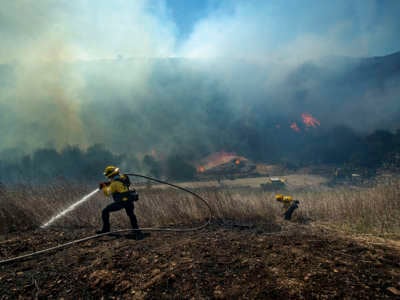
[(379, 144), (179, 169), (152, 165)]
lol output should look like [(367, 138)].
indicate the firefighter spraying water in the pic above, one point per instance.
[(118, 186)]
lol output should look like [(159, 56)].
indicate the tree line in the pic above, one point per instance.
[(74, 164), (339, 146)]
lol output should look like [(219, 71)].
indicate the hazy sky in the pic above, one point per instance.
[(84, 29), (249, 47)]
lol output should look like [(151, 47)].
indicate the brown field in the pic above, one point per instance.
[(294, 181), (343, 242)]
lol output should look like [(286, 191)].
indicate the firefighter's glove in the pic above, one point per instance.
[(102, 185)]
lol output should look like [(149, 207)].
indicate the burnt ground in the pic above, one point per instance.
[(223, 262)]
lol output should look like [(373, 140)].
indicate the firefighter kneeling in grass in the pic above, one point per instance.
[(118, 188), (289, 205)]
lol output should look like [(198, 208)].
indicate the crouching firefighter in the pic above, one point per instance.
[(289, 205), (118, 187)]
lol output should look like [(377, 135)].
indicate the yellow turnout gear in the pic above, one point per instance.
[(116, 187), (286, 200)]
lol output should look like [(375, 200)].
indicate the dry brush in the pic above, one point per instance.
[(365, 210)]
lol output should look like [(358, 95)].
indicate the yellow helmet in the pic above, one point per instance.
[(288, 198), (111, 171), (279, 197)]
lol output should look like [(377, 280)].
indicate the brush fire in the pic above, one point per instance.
[(199, 149), (309, 120), (295, 127), (225, 164)]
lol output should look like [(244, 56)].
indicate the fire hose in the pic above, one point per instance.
[(160, 229), (205, 224)]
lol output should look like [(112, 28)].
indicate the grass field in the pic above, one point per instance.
[(374, 210), (330, 250)]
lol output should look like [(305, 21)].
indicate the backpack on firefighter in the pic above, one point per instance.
[(132, 194), (113, 172)]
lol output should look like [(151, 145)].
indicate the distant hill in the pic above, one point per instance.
[(223, 104)]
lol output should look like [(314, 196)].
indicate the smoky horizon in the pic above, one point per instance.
[(248, 77)]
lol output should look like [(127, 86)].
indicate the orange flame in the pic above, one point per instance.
[(295, 127), (217, 159), (309, 120)]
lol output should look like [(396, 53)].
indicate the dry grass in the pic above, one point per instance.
[(367, 210), (373, 210)]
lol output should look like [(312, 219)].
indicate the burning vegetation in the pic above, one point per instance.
[(339, 147), (308, 120), (216, 159), (284, 143), (225, 163), (295, 127)]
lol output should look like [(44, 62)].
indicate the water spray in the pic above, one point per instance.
[(88, 196), (69, 209)]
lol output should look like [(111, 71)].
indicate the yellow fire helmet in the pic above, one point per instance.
[(278, 197), (288, 198), (111, 171)]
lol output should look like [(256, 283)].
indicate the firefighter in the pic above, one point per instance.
[(118, 188), (289, 205)]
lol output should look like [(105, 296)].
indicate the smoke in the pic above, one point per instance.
[(40, 108), (50, 47), (288, 57), (119, 73)]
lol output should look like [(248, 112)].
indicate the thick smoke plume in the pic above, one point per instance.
[(116, 73)]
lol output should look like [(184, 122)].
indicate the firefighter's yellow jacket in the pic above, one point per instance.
[(116, 188), (286, 200)]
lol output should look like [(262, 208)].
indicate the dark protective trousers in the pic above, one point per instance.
[(115, 206), (291, 209)]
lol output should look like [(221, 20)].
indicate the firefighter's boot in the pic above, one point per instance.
[(105, 229)]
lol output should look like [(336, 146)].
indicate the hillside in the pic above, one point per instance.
[(230, 105)]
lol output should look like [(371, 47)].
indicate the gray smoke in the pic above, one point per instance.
[(115, 73)]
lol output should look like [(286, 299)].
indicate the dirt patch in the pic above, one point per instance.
[(300, 262)]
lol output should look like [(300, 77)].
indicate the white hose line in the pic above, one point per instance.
[(91, 238), (13, 259)]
